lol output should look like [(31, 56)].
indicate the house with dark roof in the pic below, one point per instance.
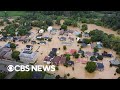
[(61, 32), (80, 51), (83, 45), (99, 45), (71, 39), (86, 34), (100, 66), (54, 50), (4, 51), (58, 60)]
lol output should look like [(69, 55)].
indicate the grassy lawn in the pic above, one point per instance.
[(2, 75), (28, 75), (23, 75), (12, 13)]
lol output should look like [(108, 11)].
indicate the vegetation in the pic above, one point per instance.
[(109, 41), (95, 49), (56, 68), (100, 57), (15, 55), (13, 46), (118, 70), (87, 41), (93, 58), (67, 57), (23, 75), (64, 27), (64, 47), (90, 67), (84, 27), (76, 55), (2, 75)]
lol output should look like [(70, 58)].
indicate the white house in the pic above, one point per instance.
[(41, 31), (27, 57), (49, 29)]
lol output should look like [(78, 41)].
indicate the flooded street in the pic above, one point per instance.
[(79, 68)]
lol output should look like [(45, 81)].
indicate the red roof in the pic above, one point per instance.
[(72, 51)]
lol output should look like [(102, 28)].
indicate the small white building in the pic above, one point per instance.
[(41, 31), (49, 29)]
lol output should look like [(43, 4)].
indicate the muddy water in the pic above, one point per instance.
[(79, 69)]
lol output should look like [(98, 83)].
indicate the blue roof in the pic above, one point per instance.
[(71, 62), (54, 49), (100, 65), (83, 44), (8, 45)]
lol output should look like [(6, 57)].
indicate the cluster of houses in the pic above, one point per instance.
[(62, 32), (52, 58)]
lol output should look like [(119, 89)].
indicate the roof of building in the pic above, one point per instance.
[(83, 44), (28, 55), (72, 51), (63, 38), (100, 65)]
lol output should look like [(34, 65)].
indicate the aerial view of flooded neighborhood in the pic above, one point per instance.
[(80, 44)]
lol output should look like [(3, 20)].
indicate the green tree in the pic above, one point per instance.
[(96, 49), (91, 67), (87, 41), (76, 55), (100, 57), (64, 47), (15, 55), (84, 27), (13, 46), (64, 27)]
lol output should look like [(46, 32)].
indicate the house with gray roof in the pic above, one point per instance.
[(28, 56)]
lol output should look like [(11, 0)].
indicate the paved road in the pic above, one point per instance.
[(8, 62)]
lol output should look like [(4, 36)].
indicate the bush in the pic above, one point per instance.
[(64, 47), (56, 68), (64, 27), (100, 57), (49, 40), (12, 45), (15, 55), (118, 70), (87, 41), (68, 74), (76, 55), (2, 75), (84, 27), (57, 77), (95, 49), (91, 67)]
